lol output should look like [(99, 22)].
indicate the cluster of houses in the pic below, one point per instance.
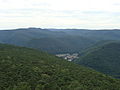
[(68, 56)]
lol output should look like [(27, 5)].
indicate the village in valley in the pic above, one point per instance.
[(67, 56)]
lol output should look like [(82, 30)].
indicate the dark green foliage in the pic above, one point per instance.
[(28, 69), (105, 58), (39, 87), (22, 86)]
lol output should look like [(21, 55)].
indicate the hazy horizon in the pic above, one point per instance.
[(61, 14), (59, 28)]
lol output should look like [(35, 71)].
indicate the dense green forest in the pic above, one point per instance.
[(104, 58), (27, 69)]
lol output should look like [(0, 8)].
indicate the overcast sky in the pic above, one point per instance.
[(89, 14)]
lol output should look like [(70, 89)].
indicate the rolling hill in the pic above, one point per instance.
[(57, 40), (66, 44), (28, 69), (105, 58), (46, 40)]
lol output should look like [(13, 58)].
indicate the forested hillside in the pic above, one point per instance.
[(66, 44), (105, 58), (28, 69)]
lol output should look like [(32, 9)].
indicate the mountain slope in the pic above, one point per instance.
[(28, 69), (105, 58), (64, 44)]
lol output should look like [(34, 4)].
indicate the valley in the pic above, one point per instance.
[(29, 69), (59, 44), (59, 59), (67, 56)]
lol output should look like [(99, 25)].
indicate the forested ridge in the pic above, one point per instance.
[(27, 69), (57, 41), (104, 58)]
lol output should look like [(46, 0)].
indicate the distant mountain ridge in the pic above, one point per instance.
[(61, 40)]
